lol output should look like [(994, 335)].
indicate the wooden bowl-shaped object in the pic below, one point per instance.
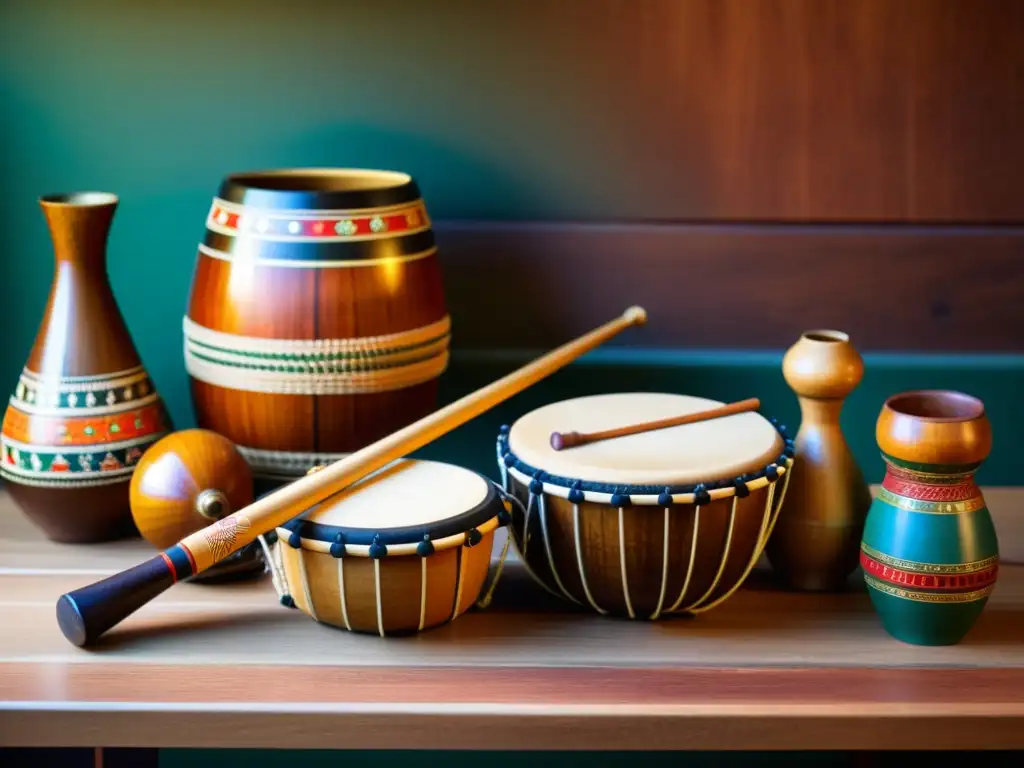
[(934, 428), (185, 482)]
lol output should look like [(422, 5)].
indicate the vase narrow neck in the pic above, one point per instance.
[(820, 410), (79, 234)]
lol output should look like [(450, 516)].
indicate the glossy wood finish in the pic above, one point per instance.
[(934, 427), (815, 543), (124, 593), (930, 551), (186, 481), (251, 297), (84, 399), (736, 286), (768, 669)]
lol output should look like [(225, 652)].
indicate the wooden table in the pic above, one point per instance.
[(226, 666)]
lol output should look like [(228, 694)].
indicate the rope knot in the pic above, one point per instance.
[(701, 496), (338, 547), (425, 547), (377, 549)]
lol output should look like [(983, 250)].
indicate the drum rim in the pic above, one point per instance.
[(461, 523), (509, 460), (257, 188)]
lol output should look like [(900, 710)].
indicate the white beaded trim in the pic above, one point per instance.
[(223, 359), (286, 462), (380, 344), (642, 499), (273, 382), (82, 383), (321, 365), (105, 410)]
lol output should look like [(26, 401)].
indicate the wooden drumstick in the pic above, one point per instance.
[(88, 612), (560, 440)]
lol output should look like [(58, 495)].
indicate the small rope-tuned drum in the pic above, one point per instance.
[(669, 521), (405, 549)]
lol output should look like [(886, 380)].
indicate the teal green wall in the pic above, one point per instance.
[(728, 376), (158, 101)]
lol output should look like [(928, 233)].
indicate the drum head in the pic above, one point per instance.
[(693, 453), (401, 503)]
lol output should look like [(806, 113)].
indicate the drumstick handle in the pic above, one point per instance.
[(561, 440), (88, 612)]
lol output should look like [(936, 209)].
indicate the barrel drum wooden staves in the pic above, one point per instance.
[(317, 320)]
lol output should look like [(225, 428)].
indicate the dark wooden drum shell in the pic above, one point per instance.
[(317, 320)]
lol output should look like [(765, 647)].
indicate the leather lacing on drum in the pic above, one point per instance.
[(376, 551), (700, 494)]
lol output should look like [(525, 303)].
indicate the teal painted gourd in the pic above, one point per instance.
[(929, 552)]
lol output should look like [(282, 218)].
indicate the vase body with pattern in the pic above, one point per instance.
[(930, 554), (317, 321), (84, 409)]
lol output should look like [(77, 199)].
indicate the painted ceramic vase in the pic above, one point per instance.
[(929, 554), (317, 321), (84, 409), (815, 543)]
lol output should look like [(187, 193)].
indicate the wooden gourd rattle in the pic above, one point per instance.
[(186, 481)]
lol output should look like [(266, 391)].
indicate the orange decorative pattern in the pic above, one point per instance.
[(57, 431)]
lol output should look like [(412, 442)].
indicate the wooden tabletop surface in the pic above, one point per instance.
[(227, 666)]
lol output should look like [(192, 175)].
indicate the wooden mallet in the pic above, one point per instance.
[(560, 440)]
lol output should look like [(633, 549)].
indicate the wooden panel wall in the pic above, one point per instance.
[(779, 165)]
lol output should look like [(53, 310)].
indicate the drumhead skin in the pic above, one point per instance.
[(401, 504), (676, 456)]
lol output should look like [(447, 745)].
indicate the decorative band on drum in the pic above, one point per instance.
[(578, 491), (317, 366), (931, 507), (285, 463), (318, 263), (318, 226)]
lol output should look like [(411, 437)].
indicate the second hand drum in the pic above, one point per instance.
[(642, 526)]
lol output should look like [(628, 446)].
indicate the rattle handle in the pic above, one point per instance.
[(88, 612), (560, 440)]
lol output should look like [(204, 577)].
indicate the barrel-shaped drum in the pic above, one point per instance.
[(661, 522), (405, 549), (317, 320)]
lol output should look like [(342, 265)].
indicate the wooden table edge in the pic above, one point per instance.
[(514, 730)]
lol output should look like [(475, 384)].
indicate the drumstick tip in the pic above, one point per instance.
[(636, 315), (561, 440)]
